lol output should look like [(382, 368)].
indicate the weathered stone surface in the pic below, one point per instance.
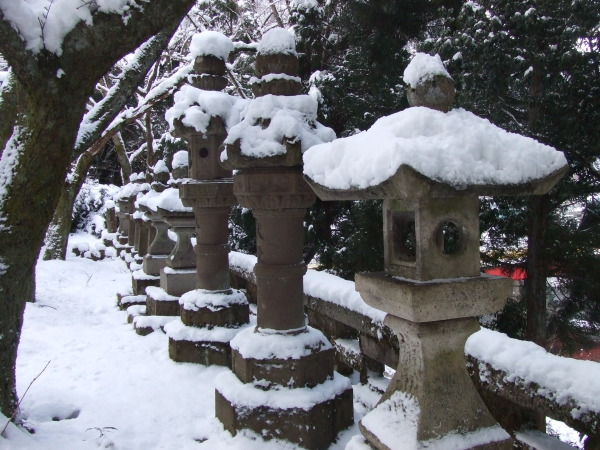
[(236, 159), (436, 93), (276, 87), (435, 300), (315, 428), (207, 353), (140, 285), (307, 371), (208, 194), (432, 239), (232, 316), (156, 307), (432, 369), (177, 282), (276, 63), (154, 263)]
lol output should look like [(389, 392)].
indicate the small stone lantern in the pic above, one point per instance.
[(430, 167), (281, 358)]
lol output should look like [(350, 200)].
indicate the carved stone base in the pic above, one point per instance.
[(177, 282), (207, 353), (232, 316), (126, 301), (312, 421), (159, 303), (140, 281)]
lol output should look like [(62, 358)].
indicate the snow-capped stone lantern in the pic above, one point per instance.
[(283, 384), (212, 313), (160, 246), (430, 167)]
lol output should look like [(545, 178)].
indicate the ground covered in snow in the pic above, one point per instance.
[(100, 385), (106, 385)]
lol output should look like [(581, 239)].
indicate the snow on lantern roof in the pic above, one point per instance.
[(277, 41), (180, 159), (194, 107), (131, 190), (270, 120), (423, 67), (160, 167), (455, 150), (211, 43)]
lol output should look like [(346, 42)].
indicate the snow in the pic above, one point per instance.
[(559, 379), (177, 331), (131, 189), (168, 200), (104, 375), (277, 40), (214, 301), (291, 118), (250, 396), (394, 421), (457, 148), (422, 68), (109, 386), (160, 167), (194, 107), (395, 417), (264, 344), (211, 43), (339, 291), (160, 295), (9, 158), (180, 159), (45, 23)]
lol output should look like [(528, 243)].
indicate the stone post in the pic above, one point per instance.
[(432, 289), (212, 313), (281, 356)]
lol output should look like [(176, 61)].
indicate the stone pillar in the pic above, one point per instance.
[(281, 356), (212, 313)]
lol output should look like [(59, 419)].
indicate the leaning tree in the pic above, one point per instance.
[(56, 56)]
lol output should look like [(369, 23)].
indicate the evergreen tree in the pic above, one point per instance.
[(531, 67)]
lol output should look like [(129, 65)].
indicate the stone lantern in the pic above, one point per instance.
[(283, 384), (212, 313), (430, 167)]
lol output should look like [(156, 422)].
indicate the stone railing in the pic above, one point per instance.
[(512, 391)]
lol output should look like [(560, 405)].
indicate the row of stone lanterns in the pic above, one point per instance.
[(283, 383)]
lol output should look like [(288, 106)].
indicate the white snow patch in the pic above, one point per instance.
[(8, 163), (249, 396), (177, 331), (45, 23), (211, 43), (560, 379), (277, 40), (214, 301), (424, 67), (341, 292), (194, 107), (457, 148), (290, 118), (262, 344), (180, 159)]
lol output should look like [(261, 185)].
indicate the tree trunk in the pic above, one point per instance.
[(537, 268), (57, 236), (31, 193)]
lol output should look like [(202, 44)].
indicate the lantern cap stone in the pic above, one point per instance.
[(424, 152)]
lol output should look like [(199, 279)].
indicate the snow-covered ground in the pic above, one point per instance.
[(107, 386)]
